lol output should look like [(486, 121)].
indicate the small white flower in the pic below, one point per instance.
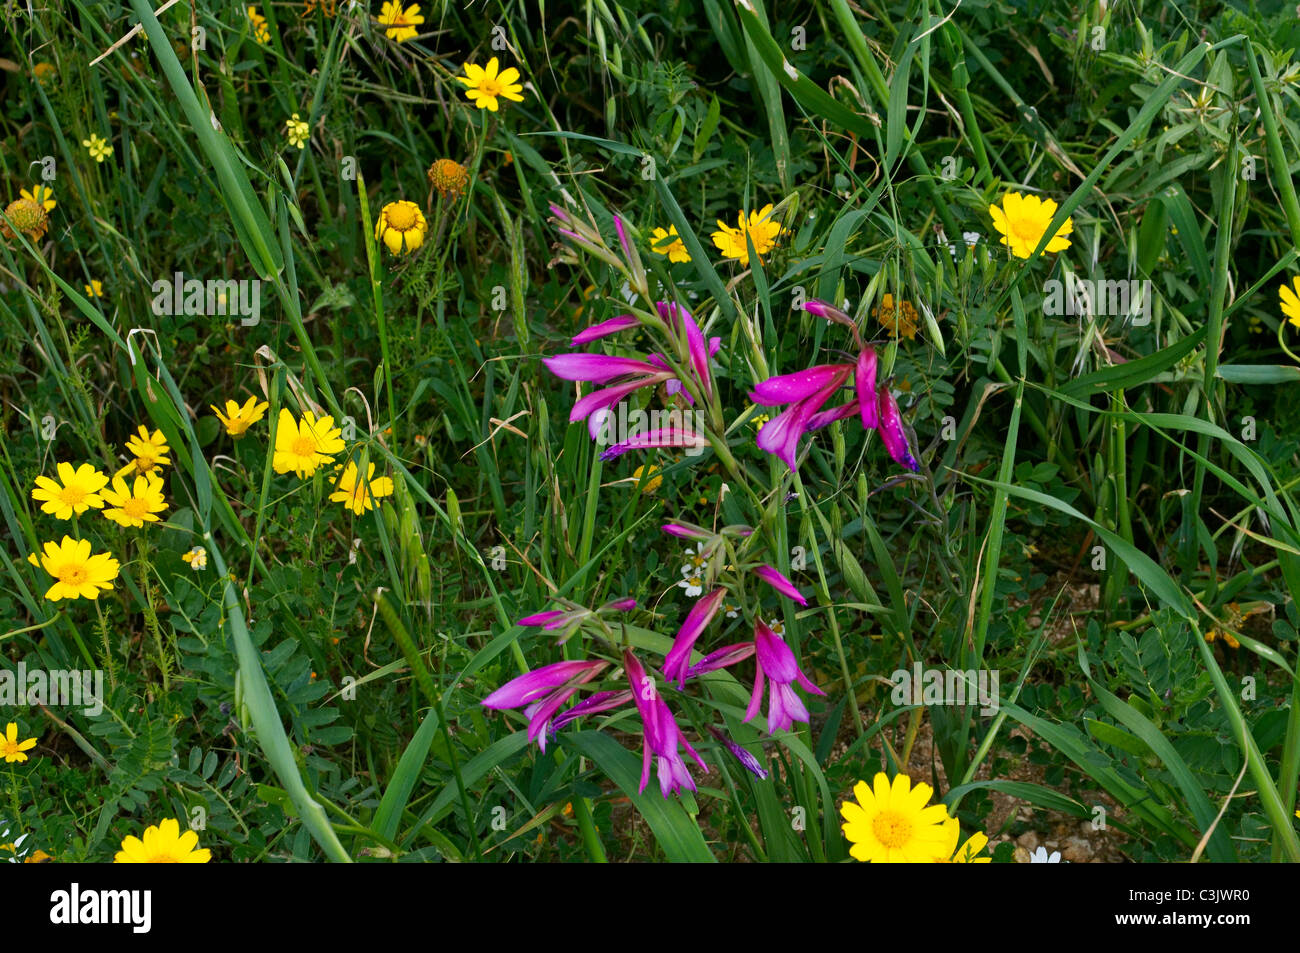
[(628, 294), (971, 238), (777, 627), (733, 612), (1040, 857), (693, 585), (695, 561)]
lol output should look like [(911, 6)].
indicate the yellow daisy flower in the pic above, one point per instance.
[(197, 558), (401, 23), (163, 844), (238, 419), (303, 446), (354, 495), (99, 148), (401, 223), (79, 575), (150, 452), (79, 491), (298, 131), (668, 243), (11, 749), (1023, 219), (761, 228), (95, 289), (486, 85), (42, 195), (890, 823), (1290, 300), (138, 505), (44, 73)]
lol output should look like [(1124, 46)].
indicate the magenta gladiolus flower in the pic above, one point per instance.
[(597, 368), (661, 733), (556, 619), (543, 691), (824, 309), (820, 420), (891, 431), (691, 531), (778, 581), (601, 701), (724, 657), (658, 439), (542, 618), (601, 369), (603, 330), (626, 375), (678, 659), (806, 392), (620, 605), (622, 238), (865, 375), (777, 665), (686, 531), (679, 320)]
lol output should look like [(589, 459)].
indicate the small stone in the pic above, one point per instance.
[(1028, 840)]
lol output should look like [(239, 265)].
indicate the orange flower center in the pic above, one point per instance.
[(72, 495), (26, 214), (163, 859), (401, 216), (304, 447), (892, 829), (136, 508), (490, 86), (1027, 229), (72, 575)]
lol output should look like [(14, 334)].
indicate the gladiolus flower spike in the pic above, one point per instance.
[(778, 666), (544, 691), (807, 391), (661, 734)]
